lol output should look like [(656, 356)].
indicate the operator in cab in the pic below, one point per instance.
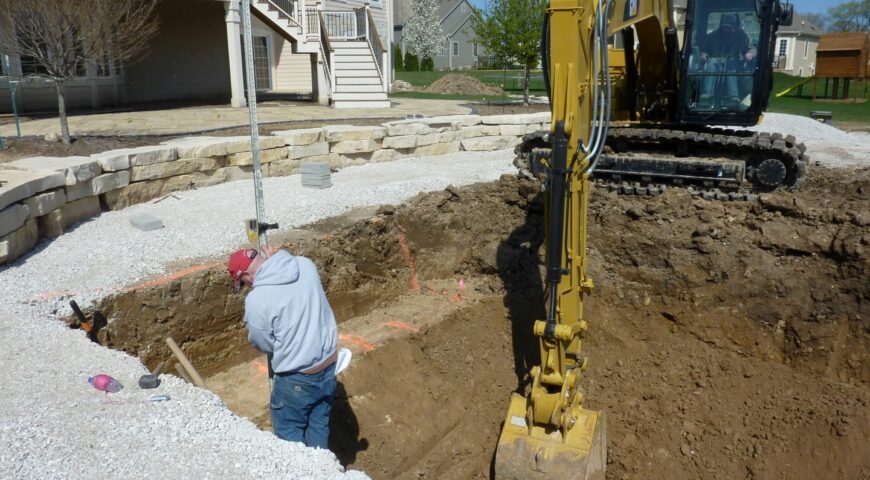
[(727, 49)]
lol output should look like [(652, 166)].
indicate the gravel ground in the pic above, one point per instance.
[(826, 145), (61, 427), (58, 426)]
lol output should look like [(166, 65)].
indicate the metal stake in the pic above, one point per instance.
[(255, 126), (12, 93)]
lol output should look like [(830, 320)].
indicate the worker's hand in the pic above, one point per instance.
[(704, 57), (749, 56)]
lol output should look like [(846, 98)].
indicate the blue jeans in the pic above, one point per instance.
[(721, 65), (300, 406)]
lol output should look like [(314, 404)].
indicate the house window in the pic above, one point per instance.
[(474, 49), (104, 67), (783, 47), (441, 50), (455, 48), (262, 64), (806, 49), (30, 66)]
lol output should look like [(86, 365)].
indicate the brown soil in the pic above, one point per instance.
[(459, 84), (728, 340)]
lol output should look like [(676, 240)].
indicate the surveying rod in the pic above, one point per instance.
[(256, 231)]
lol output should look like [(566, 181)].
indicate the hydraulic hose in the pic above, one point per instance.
[(556, 227)]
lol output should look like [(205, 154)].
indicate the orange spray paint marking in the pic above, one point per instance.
[(458, 297), (262, 368), (173, 276), (406, 253), (358, 342), (401, 326), (53, 295)]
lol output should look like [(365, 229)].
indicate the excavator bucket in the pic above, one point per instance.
[(536, 453)]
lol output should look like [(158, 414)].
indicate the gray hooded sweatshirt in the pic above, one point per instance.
[(287, 314)]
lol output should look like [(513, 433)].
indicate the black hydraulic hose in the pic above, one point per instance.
[(545, 54), (630, 72), (558, 178)]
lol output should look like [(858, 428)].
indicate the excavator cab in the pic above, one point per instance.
[(727, 60)]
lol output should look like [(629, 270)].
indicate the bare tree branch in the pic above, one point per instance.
[(63, 37)]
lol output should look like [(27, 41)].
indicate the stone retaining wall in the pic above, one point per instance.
[(40, 197)]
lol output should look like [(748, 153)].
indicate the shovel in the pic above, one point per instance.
[(151, 380)]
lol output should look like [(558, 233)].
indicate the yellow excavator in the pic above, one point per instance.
[(635, 115)]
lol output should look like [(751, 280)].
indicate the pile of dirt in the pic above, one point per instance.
[(727, 340), (402, 86), (459, 84)]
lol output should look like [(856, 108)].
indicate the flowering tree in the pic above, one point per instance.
[(422, 33)]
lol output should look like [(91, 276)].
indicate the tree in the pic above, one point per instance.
[(398, 64), (62, 38), (422, 32), (412, 63), (427, 64), (511, 31), (816, 19), (851, 16)]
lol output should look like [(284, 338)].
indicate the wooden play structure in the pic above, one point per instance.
[(842, 57)]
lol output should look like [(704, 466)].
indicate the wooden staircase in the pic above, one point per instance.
[(358, 83)]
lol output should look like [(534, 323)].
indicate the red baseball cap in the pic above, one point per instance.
[(238, 263)]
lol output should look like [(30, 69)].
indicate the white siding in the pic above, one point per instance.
[(796, 62), (291, 72)]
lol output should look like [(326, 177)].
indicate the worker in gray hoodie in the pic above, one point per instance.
[(289, 318)]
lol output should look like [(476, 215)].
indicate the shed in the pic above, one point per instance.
[(843, 55)]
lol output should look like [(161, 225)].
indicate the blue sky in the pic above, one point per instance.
[(814, 6), (801, 6)]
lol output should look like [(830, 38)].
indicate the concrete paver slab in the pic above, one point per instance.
[(202, 119)]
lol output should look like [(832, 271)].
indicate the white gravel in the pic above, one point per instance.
[(826, 145), (53, 424)]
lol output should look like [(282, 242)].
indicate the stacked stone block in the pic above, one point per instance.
[(41, 197)]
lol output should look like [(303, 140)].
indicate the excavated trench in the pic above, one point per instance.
[(728, 340)]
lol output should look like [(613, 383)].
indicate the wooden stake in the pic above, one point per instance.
[(194, 375), (183, 373)]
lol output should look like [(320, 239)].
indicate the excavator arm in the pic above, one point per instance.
[(548, 433)]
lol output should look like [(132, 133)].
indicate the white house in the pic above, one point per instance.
[(796, 46), (331, 51), (460, 49)]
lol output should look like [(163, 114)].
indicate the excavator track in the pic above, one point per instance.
[(716, 164)]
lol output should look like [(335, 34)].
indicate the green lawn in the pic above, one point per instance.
[(803, 105), (511, 82)]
